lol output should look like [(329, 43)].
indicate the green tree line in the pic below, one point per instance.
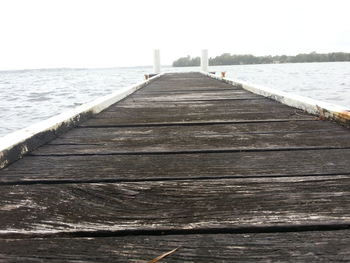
[(228, 59)]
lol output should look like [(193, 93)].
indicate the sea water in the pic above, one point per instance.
[(30, 96)]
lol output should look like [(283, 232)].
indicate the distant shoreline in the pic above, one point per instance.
[(227, 59), (149, 67), (261, 64)]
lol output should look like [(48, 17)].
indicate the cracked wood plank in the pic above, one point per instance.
[(175, 166), (219, 137), (129, 113), (192, 96), (173, 205)]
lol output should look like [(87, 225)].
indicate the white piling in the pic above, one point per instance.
[(204, 60), (156, 61)]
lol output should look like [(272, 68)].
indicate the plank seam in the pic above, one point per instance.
[(162, 232), (163, 179), (138, 99), (205, 151), (191, 123)]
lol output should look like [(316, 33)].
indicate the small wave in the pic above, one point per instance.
[(39, 99), (32, 95)]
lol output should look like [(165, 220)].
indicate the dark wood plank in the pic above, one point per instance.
[(165, 145), (164, 116), (234, 106), (145, 91), (127, 112), (223, 137), (187, 81), (208, 129), (215, 92), (312, 246), (176, 166), (144, 95), (171, 205), (193, 96)]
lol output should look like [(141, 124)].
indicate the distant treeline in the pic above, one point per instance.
[(228, 59)]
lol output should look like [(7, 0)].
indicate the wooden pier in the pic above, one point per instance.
[(188, 162)]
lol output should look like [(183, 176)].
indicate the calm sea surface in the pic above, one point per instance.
[(29, 96)]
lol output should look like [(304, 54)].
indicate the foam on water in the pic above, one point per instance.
[(29, 96)]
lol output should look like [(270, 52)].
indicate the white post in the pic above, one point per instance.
[(204, 60), (156, 61)]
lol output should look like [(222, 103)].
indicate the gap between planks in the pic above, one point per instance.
[(204, 151), (166, 232), (161, 179), (193, 123)]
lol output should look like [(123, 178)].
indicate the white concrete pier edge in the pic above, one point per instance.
[(14, 145), (322, 109)]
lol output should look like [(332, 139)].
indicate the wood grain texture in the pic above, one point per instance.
[(192, 96), (128, 112), (240, 104), (250, 136), (204, 130), (186, 205), (312, 246), (189, 81), (144, 116), (175, 166)]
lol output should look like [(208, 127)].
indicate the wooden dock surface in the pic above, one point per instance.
[(188, 162)]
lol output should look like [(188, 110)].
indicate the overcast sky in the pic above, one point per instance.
[(110, 33)]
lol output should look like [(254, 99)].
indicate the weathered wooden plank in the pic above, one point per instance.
[(217, 92), (195, 93), (261, 104), (176, 86), (207, 129), (234, 106), (259, 142), (189, 90), (213, 130), (193, 88), (192, 96), (186, 114), (314, 246), (143, 116), (187, 123), (176, 166), (167, 205), (188, 81), (247, 136)]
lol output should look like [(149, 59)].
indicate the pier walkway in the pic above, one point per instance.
[(190, 162)]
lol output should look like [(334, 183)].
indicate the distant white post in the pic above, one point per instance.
[(156, 61), (204, 60)]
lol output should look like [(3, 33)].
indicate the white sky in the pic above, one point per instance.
[(109, 33)]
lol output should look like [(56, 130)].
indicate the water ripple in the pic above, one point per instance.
[(29, 96)]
